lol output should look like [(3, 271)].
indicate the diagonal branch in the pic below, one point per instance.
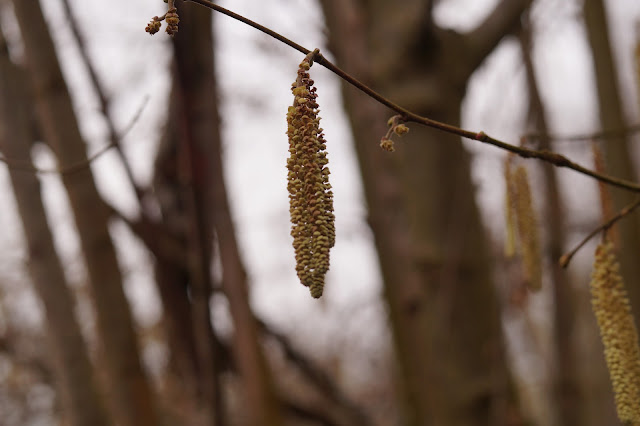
[(114, 139), (556, 159), (316, 375), (505, 19), (566, 258), (80, 165), (602, 134)]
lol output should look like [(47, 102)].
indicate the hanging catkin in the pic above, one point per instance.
[(521, 222), (527, 226), (310, 196), (509, 211), (618, 332)]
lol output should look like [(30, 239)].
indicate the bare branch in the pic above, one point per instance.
[(566, 258), (114, 139), (316, 375), (505, 19), (80, 165), (603, 134), (301, 411), (511, 11)]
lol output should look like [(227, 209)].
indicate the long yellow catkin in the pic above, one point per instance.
[(527, 227), (619, 334), (310, 195)]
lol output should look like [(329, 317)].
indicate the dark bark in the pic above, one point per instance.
[(196, 124), (567, 397), (129, 393), (200, 126), (168, 242), (616, 148), (72, 368), (431, 244), (619, 163)]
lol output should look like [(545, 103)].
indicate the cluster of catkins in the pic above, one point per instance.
[(172, 19), (310, 195)]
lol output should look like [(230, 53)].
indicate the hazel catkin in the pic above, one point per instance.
[(523, 224), (618, 332), (310, 195)]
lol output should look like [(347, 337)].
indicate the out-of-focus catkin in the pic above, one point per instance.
[(509, 214), (310, 195), (618, 331), (527, 226), (522, 222)]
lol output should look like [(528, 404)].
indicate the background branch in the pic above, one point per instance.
[(566, 258), (16, 164), (114, 139), (505, 18), (316, 375), (603, 134)]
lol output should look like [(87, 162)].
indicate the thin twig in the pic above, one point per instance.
[(604, 134), (556, 159), (114, 139), (27, 166), (566, 258)]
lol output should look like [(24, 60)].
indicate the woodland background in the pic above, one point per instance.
[(161, 289)]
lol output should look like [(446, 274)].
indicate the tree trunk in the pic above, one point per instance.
[(618, 163), (129, 393), (197, 124), (201, 132), (432, 248), (71, 365), (566, 394), (618, 159)]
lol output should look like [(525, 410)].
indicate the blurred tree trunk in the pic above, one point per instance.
[(431, 243), (197, 125), (174, 280), (201, 159), (76, 383), (618, 163), (567, 395), (617, 155), (129, 393)]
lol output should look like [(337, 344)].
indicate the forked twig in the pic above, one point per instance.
[(566, 258)]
